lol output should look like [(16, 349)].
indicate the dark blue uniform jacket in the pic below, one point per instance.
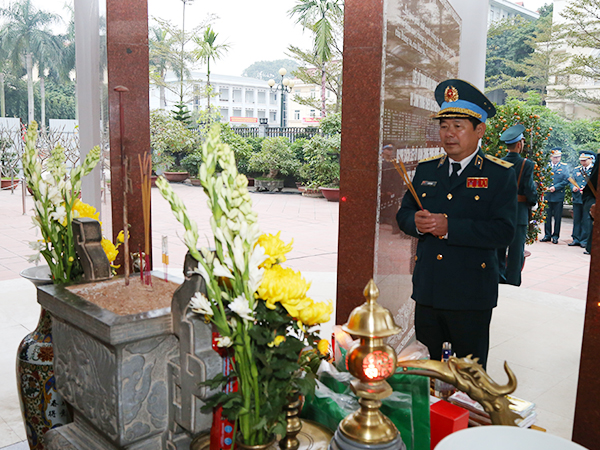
[(461, 272), (560, 179)]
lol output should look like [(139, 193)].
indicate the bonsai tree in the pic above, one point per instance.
[(275, 159), (322, 162)]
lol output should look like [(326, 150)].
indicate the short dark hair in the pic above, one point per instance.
[(474, 121)]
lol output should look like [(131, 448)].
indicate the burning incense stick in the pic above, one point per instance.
[(402, 171)]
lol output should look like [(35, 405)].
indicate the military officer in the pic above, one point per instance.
[(555, 195), (469, 207), (582, 223), (510, 268), (589, 200)]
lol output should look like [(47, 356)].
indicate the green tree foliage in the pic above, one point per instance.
[(518, 72), (208, 50), (325, 19), (536, 149), (170, 140), (27, 39), (240, 146), (275, 158), (322, 162), (332, 124), (582, 34), (267, 70)]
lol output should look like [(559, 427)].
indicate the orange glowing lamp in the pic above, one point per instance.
[(371, 361)]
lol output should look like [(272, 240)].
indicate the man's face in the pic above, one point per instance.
[(586, 162), (458, 137), (555, 159)]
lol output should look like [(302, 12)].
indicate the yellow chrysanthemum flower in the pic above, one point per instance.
[(316, 313), (323, 347), (121, 237), (110, 250), (277, 341), (81, 209), (275, 249), (286, 286)]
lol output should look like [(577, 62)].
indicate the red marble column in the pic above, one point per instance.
[(587, 410), (363, 47), (127, 57)]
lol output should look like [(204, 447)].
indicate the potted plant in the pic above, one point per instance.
[(259, 308), (56, 191), (191, 163), (170, 141), (275, 160), (321, 169)]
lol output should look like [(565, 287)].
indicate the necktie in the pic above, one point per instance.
[(454, 175)]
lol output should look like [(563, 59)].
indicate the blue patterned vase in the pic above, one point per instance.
[(42, 407)]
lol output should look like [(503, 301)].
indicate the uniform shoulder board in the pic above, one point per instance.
[(563, 164), (499, 161), (432, 158)]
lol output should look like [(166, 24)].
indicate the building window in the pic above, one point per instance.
[(262, 98), (273, 97), (262, 113), (237, 113), (249, 113), (312, 113), (312, 93), (237, 96), (273, 116), (297, 114), (225, 114), (249, 97), (224, 94)]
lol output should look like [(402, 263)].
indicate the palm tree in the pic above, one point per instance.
[(319, 16), (208, 51), (23, 34), (48, 54), (162, 57)]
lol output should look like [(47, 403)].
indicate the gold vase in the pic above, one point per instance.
[(270, 445), (294, 424)]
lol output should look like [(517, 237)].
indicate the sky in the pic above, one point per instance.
[(255, 29)]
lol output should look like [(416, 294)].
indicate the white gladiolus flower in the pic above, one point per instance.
[(241, 307), (33, 258), (220, 270), (43, 187), (47, 177), (200, 304), (202, 271), (36, 245), (59, 214), (190, 239), (238, 254), (224, 341)]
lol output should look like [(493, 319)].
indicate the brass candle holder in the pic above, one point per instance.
[(371, 361)]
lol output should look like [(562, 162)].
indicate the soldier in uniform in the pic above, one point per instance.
[(510, 268), (582, 223), (589, 200), (469, 210), (555, 195)]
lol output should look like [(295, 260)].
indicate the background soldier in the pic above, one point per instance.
[(469, 210), (510, 268), (582, 222), (555, 195)]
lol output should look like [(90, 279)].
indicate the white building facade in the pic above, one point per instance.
[(240, 100), (503, 9)]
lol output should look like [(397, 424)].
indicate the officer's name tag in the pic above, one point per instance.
[(428, 183), (477, 182)]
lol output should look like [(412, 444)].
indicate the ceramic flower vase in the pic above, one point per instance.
[(42, 407)]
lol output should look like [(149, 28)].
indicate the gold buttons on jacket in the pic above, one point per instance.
[(440, 257), (477, 197), (424, 194), (449, 196), (483, 266), (416, 257)]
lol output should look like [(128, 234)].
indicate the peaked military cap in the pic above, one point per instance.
[(586, 154), (513, 134), (556, 151), (460, 99)]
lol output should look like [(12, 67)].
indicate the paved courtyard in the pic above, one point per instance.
[(537, 328)]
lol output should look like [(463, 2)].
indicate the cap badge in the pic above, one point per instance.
[(451, 94)]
